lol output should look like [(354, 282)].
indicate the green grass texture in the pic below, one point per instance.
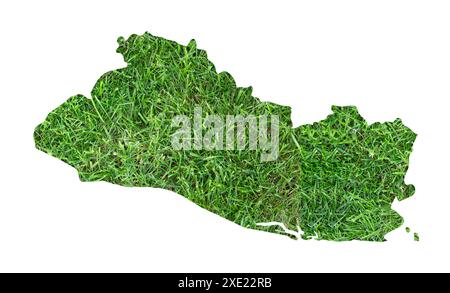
[(333, 180)]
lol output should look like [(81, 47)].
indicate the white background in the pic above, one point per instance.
[(389, 58)]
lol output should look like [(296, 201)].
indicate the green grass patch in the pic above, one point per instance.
[(335, 179)]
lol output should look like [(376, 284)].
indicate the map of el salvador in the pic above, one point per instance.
[(335, 179)]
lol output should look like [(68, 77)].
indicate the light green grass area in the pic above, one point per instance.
[(335, 179)]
